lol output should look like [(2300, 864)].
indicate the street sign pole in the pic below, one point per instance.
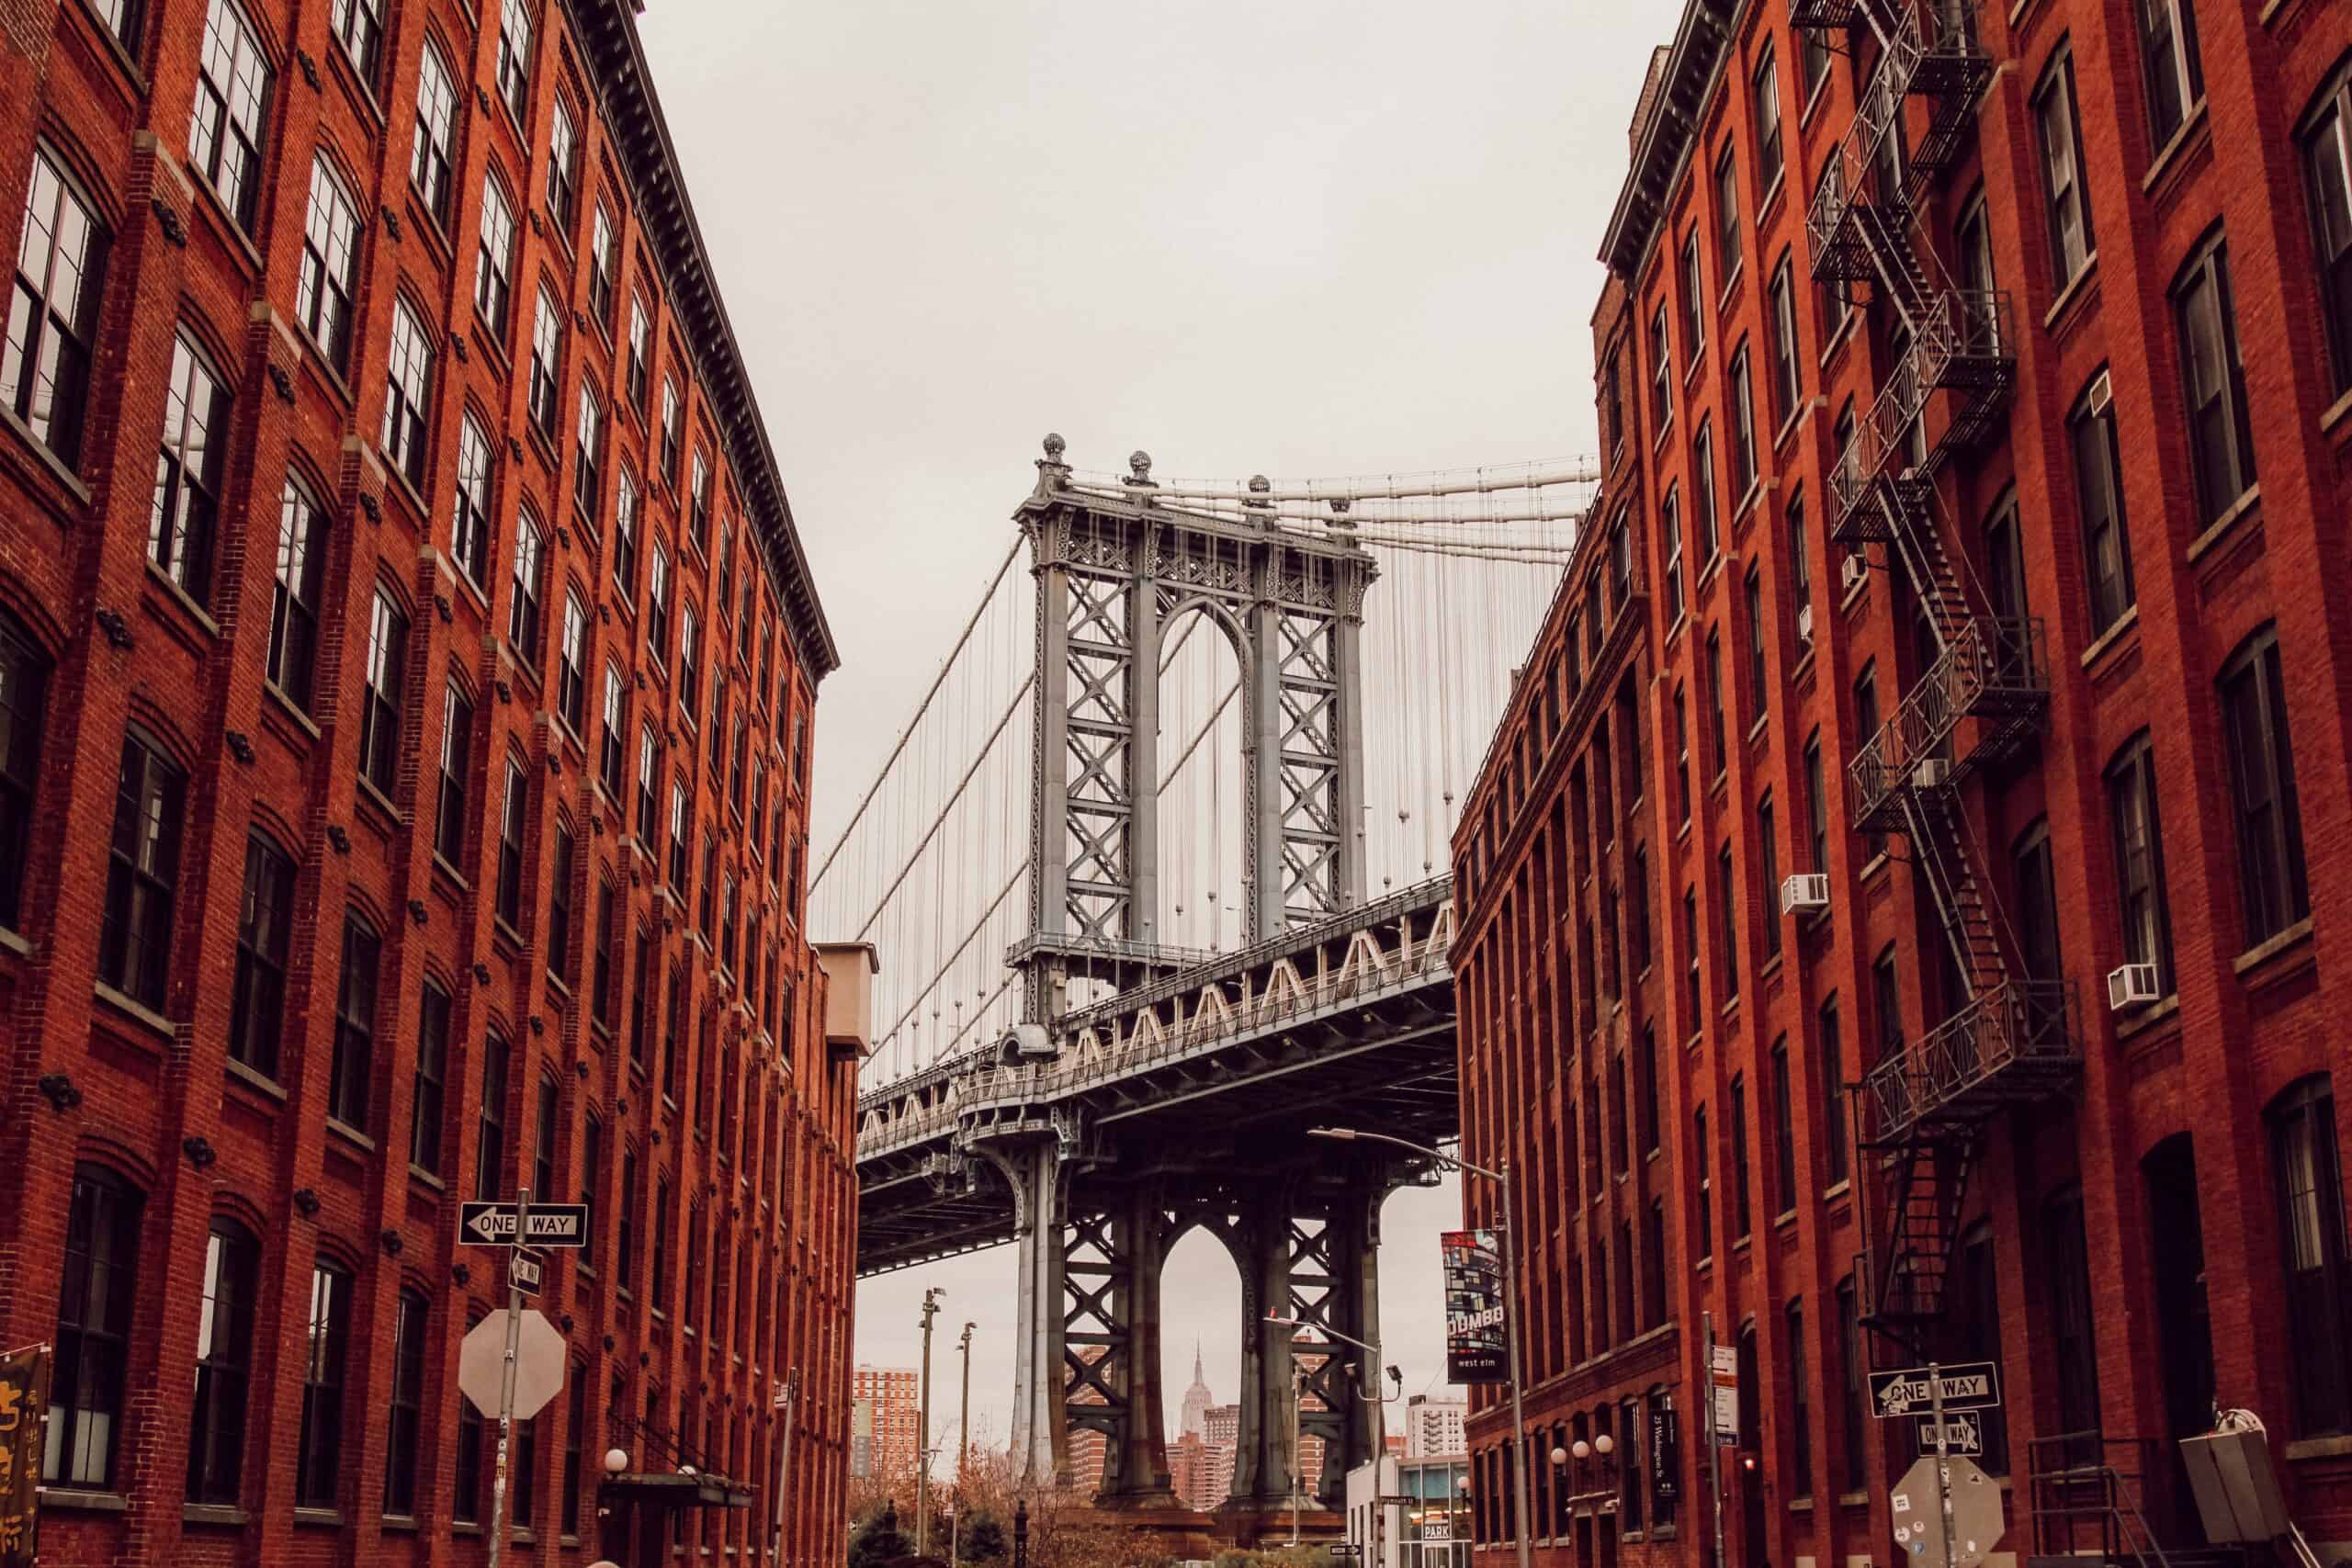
[(1943, 1459), (1714, 1444), (783, 1404), (507, 1385)]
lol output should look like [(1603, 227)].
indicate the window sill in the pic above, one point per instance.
[(11, 942), (77, 1500), (2149, 1017), (291, 709), (320, 1518), (2068, 297), (1853, 1499), (136, 1010), (2337, 412), (2172, 148), (186, 601), (1837, 1189), (418, 1173), (399, 1524), (49, 459), (370, 795), (1839, 338), (2107, 639), (2220, 527), (2320, 1447), (1874, 866), (351, 1134), (2263, 951), (226, 1514), (1771, 193), (256, 1080), (441, 868)]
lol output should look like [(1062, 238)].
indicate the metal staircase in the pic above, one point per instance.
[(1923, 1108)]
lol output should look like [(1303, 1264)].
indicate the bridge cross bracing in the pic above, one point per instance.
[(1236, 762)]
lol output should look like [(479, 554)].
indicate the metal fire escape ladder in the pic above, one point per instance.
[(1923, 1108)]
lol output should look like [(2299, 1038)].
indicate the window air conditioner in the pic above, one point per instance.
[(2131, 987), (1930, 774), (1805, 893), (1855, 569), (1805, 623)]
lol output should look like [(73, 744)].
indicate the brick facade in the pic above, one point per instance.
[(136, 1076), (2154, 1235)]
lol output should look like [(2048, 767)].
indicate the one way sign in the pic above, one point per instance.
[(1968, 1385), (553, 1224)]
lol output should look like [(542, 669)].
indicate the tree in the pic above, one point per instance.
[(983, 1538), (877, 1541)]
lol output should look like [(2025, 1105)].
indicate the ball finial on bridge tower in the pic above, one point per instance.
[(1052, 472), (1260, 490), (1139, 470)]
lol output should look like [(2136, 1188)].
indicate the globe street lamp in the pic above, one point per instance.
[(1500, 1177)]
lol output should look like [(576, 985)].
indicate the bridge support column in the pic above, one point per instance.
[(1040, 1445), (1313, 1249)]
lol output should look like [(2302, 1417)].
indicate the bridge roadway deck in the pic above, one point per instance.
[(1345, 1021)]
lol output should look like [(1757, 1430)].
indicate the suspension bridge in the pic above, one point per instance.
[(1158, 869)]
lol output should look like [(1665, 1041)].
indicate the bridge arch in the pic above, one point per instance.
[(1203, 758)]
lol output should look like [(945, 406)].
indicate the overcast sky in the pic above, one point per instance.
[(1300, 237)]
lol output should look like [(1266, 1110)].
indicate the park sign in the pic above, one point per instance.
[(1474, 1308), (1966, 1385)]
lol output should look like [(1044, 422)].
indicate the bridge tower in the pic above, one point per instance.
[(1112, 572), (1114, 567)]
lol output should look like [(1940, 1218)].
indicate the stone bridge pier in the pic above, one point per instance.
[(1093, 1233)]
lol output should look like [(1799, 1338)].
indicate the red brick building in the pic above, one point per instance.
[(406, 664), (1974, 390)]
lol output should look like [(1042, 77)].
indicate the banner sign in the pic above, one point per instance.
[(24, 1410), (1474, 1308), (1666, 1454), (1724, 1377)]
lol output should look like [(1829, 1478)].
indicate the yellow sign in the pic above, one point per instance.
[(24, 1410)]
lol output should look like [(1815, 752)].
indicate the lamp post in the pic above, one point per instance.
[(1500, 1177), (922, 1436), (1379, 1416), (963, 1449)]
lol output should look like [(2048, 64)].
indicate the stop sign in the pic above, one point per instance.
[(540, 1363), (1976, 1521)]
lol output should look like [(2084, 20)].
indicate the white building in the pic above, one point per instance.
[(1434, 1427), (1427, 1522)]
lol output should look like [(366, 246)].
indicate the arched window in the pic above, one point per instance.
[(405, 1419), (325, 1350), (92, 1329), (354, 1024), (24, 699), (2311, 1242), (257, 998), (2271, 879), (2139, 859), (224, 1348)]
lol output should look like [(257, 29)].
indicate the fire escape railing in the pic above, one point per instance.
[(2009, 1037)]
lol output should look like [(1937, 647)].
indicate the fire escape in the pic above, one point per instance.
[(1922, 1109)]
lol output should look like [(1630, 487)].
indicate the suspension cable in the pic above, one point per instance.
[(949, 961), (921, 708), (933, 831)]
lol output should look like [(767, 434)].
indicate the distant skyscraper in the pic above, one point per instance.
[(890, 1398), (1196, 1401), (1222, 1423)]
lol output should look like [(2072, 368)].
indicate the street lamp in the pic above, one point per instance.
[(1379, 1415), (1500, 1177)]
